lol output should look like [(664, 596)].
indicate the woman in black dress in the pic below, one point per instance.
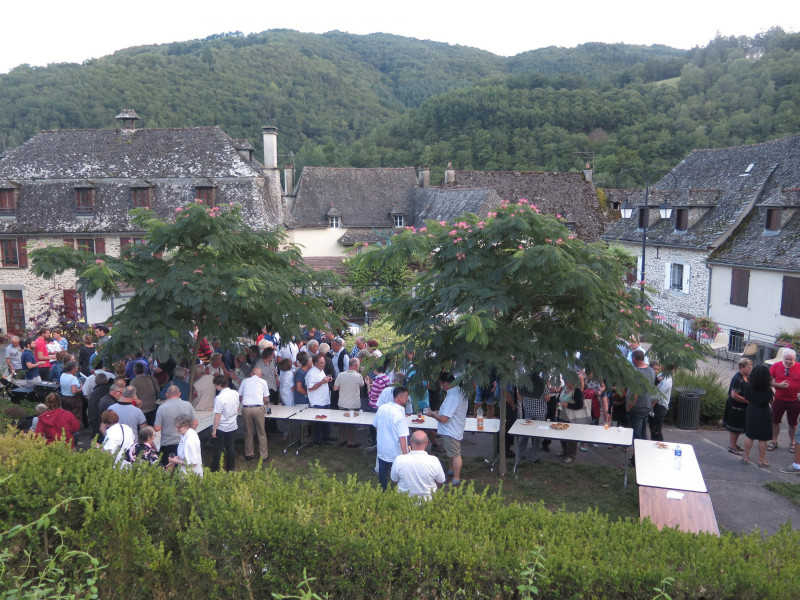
[(758, 417), (734, 418)]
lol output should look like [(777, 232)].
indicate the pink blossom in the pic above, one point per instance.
[(179, 209), (452, 233), (151, 281), (98, 262), (423, 229), (492, 214), (558, 217), (522, 201), (688, 345), (548, 240), (185, 283), (198, 271), (648, 308), (559, 241), (572, 236), (520, 246), (442, 222)]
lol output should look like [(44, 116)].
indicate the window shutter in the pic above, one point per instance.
[(69, 242), (638, 269), (99, 245), (71, 304), (687, 278), (124, 242), (22, 252), (667, 275), (790, 297)]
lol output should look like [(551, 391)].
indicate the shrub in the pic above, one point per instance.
[(251, 534)]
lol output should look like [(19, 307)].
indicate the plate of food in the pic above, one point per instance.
[(321, 417), (528, 421), (661, 445), (347, 414), (559, 426), (356, 413), (417, 420)]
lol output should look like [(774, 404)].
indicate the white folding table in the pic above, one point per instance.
[(655, 467), (590, 434), (310, 415)]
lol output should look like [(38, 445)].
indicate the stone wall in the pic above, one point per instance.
[(657, 258), (34, 287)]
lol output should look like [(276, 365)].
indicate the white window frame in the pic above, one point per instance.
[(399, 220), (335, 222), (685, 281)]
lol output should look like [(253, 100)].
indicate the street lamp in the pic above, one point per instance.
[(627, 208)]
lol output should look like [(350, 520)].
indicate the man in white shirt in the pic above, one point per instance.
[(451, 419), (89, 384), (418, 473), (392, 431), (254, 393), (173, 407), (319, 395), (226, 409)]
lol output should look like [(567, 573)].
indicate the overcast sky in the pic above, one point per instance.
[(46, 31)]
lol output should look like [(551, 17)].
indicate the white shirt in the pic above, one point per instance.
[(665, 391), (14, 354), (417, 473), (253, 390), (226, 404), (320, 396), (286, 387), (454, 407), (386, 396), (390, 421), (345, 362), (119, 437), (189, 451)]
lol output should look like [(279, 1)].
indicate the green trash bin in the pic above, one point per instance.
[(689, 399)]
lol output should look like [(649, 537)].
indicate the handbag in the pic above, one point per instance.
[(580, 416)]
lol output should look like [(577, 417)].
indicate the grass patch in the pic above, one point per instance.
[(790, 491)]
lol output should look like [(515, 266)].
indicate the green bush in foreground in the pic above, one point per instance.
[(712, 405), (251, 534)]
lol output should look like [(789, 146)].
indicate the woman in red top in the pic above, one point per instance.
[(57, 424)]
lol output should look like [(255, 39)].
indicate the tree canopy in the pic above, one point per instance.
[(518, 284), (206, 268)]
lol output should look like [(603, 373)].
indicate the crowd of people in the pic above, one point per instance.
[(123, 412)]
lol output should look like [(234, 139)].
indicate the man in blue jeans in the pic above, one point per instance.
[(639, 405)]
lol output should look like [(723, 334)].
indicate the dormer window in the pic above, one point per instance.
[(334, 222), (681, 219), (206, 194), (399, 220), (140, 197), (8, 202), (570, 225), (773, 219), (643, 218), (84, 201)]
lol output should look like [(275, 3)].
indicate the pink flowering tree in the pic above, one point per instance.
[(204, 268), (519, 284)]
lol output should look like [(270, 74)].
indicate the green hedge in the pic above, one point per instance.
[(712, 405), (248, 534)]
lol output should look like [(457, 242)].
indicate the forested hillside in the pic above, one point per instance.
[(340, 99)]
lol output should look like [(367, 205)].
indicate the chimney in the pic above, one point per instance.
[(424, 176), (588, 172), (449, 174), (128, 117), (288, 179), (270, 147)]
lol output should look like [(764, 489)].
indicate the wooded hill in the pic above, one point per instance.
[(383, 100)]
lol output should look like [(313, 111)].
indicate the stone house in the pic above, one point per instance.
[(77, 186), (718, 196)]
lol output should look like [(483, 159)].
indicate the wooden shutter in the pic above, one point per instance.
[(22, 252), (124, 242), (740, 286), (99, 245), (71, 305), (687, 278), (790, 297)]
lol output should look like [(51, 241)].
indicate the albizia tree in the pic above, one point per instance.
[(517, 289), (205, 268)]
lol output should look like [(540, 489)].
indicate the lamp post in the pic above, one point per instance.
[(627, 208)]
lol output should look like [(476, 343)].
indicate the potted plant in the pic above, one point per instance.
[(704, 329), (788, 339)]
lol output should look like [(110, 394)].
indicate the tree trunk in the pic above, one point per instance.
[(501, 446), (192, 363)]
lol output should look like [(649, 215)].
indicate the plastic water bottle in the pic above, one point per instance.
[(479, 414), (678, 453)]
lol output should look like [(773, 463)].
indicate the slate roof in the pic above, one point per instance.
[(751, 245), (366, 197), (445, 204), (567, 194), (49, 167), (720, 188)]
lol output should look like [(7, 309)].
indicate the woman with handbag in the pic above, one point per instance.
[(573, 410)]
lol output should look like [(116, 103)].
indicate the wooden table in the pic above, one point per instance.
[(692, 511), (655, 467), (591, 434)]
